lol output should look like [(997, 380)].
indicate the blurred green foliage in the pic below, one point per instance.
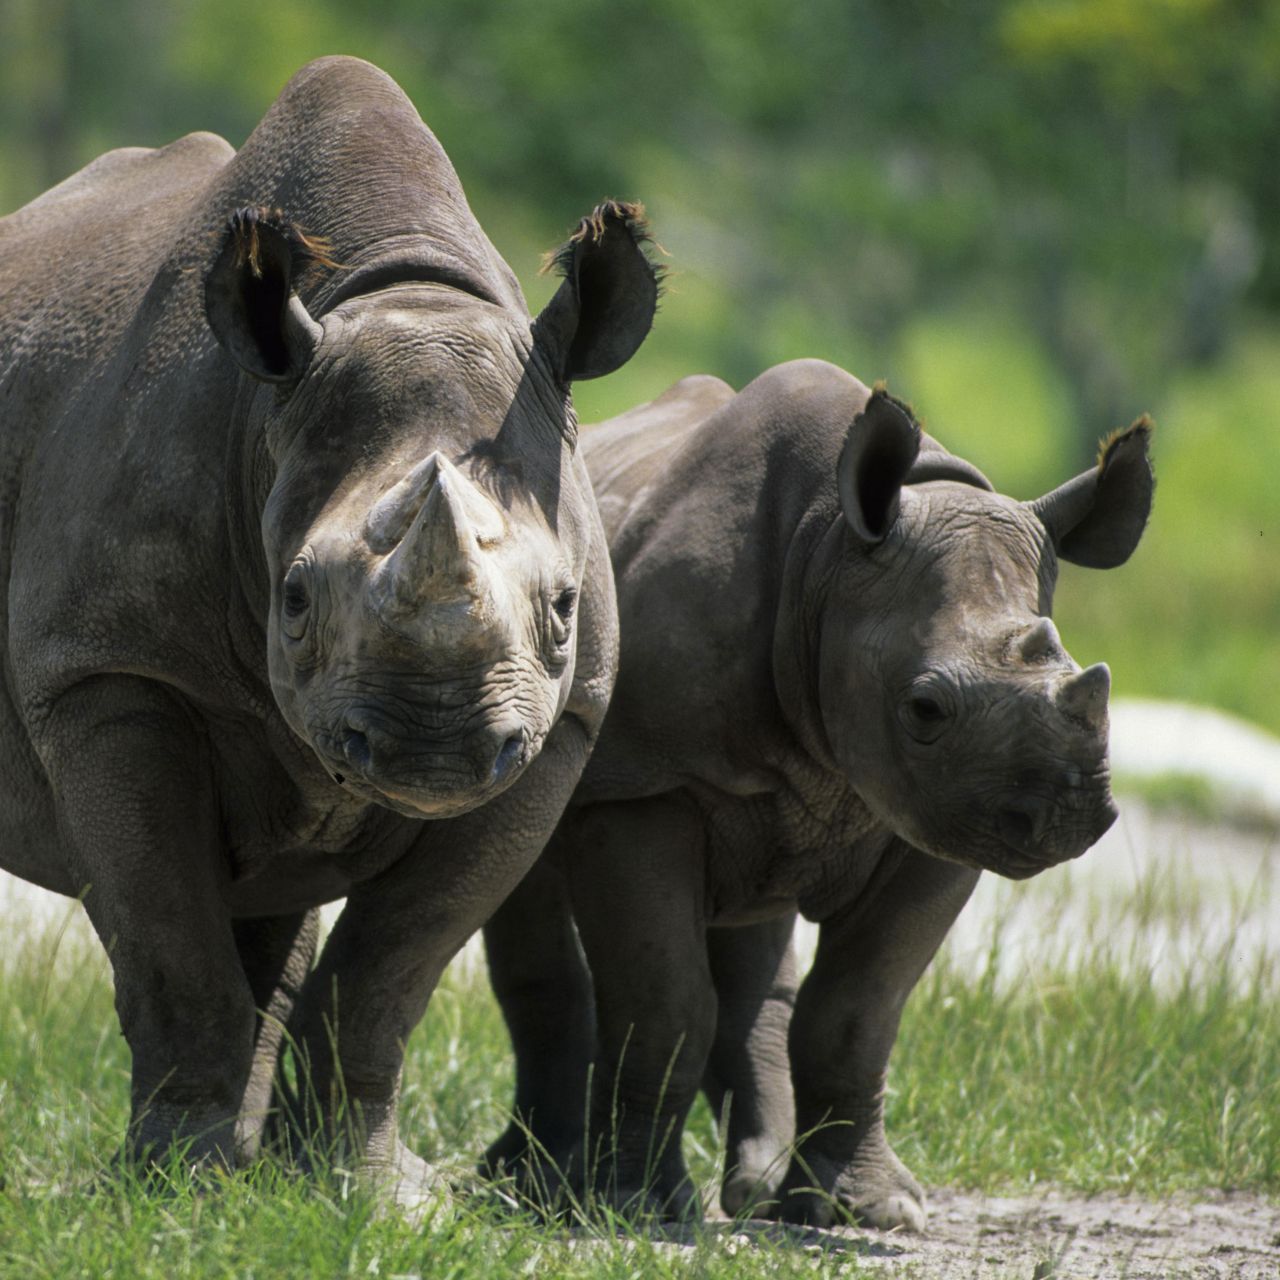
[(1037, 218)]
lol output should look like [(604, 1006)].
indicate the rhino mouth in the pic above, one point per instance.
[(419, 808), (443, 792), (1026, 850)]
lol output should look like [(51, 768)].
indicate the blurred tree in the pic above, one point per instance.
[(1048, 211), (1109, 167)]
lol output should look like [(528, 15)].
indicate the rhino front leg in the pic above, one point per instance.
[(754, 970), (388, 949), (637, 877), (277, 953), (869, 958), (140, 831), (540, 979)]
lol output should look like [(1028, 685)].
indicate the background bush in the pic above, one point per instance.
[(1036, 218)]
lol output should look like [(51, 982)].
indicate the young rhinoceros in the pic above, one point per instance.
[(298, 553), (839, 692)]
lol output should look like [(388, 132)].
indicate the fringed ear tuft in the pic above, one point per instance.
[(251, 299), (1144, 426), (244, 230), (630, 215), (605, 306), (1097, 518)]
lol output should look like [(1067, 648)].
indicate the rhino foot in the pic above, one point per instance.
[(661, 1199), (879, 1193), (405, 1182), (754, 1171), (747, 1193), (546, 1177), (205, 1137)]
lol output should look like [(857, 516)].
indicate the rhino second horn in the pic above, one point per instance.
[(1040, 642), (1084, 696)]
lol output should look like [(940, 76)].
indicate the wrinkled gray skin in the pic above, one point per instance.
[(840, 693), (296, 556)]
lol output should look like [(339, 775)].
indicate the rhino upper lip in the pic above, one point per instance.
[(341, 773)]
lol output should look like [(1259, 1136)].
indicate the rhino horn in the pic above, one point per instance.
[(1083, 696), (1040, 642), (436, 559)]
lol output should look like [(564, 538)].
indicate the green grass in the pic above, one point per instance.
[(1101, 1075)]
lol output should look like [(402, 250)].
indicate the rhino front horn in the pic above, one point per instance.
[(1084, 696), (437, 559)]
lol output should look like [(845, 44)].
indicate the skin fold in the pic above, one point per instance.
[(308, 595), (840, 694)]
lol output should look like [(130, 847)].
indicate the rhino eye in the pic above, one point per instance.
[(561, 616), (926, 713), (295, 599), (564, 603)]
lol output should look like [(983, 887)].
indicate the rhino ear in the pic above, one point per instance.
[(605, 305), (1097, 519), (878, 452), (250, 298)]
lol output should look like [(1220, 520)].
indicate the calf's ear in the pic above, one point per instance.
[(606, 301), (250, 296), (877, 455), (1097, 519)]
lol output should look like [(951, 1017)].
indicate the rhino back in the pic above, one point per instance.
[(76, 262), (710, 519), (75, 265), (115, 413), (624, 454)]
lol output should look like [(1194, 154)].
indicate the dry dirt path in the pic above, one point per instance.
[(1050, 1236)]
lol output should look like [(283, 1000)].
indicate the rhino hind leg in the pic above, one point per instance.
[(637, 878), (543, 988), (748, 1076), (277, 953)]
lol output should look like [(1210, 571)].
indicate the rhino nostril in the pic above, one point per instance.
[(1016, 827), (508, 757)]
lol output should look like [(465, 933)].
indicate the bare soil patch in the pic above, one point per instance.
[(1052, 1236)]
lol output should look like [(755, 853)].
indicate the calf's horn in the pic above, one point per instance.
[(1084, 696)]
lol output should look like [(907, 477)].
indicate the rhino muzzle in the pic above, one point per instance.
[(1042, 831), (412, 775)]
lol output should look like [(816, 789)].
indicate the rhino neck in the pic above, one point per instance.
[(344, 153), (811, 559), (250, 474)]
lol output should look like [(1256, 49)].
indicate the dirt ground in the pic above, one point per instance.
[(1054, 1236), (1057, 1237)]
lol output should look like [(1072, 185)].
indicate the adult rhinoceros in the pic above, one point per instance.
[(840, 692), (298, 553)]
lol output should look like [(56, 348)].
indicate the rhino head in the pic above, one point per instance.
[(945, 691), (425, 521)]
